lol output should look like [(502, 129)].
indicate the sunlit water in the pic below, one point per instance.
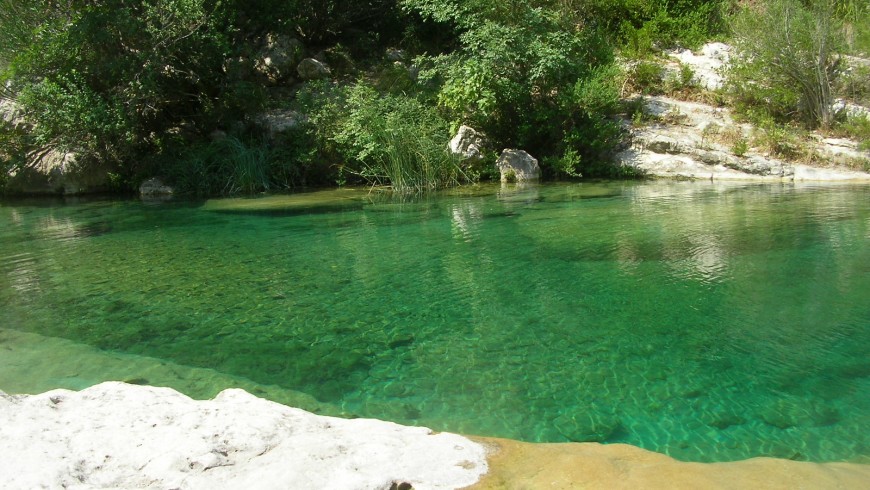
[(708, 322)]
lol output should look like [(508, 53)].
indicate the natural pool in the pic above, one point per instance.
[(710, 322)]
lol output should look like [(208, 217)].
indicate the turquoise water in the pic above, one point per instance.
[(708, 322)]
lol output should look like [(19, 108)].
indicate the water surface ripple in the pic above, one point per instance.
[(708, 322)]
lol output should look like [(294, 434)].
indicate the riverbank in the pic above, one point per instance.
[(691, 134), (126, 436)]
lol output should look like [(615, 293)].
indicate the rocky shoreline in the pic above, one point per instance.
[(117, 435), (690, 141), (693, 141)]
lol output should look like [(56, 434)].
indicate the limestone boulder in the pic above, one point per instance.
[(708, 66), (312, 69), (278, 57), (12, 115), (155, 187), (394, 54), (468, 144), (280, 121), (116, 435), (517, 166), (58, 172)]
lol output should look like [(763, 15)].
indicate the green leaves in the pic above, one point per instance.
[(387, 139), (527, 76), (790, 55)]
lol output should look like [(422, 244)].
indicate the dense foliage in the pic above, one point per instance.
[(172, 87)]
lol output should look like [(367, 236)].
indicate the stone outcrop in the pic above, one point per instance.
[(312, 69), (57, 172), (278, 57), (707, 66), (116, 435), (279, 121), (696, 141), (12, 115), (468, 144), (394, 54), (49, 170), (517, 166), (155, 187)]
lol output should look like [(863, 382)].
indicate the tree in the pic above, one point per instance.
[(527, 76), (791, 51)]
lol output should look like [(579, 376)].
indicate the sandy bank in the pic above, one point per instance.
[(116, 435), (616, 466)]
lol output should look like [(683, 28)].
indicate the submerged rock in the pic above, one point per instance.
[(588, 424)]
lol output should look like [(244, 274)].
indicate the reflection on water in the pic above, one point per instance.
[(707, 321)]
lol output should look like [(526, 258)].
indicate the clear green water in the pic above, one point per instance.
[(708, 322)]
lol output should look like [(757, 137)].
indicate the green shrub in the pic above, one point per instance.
[(681, 83), (645, 77), (643, 27), (854, 85), (385, 139), (229, 166), (857, 128), (567, 164), (788, 60), (740, 147), (528, 77)]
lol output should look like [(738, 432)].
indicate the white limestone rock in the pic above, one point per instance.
[(116, 435), (684, 143), (708, 66), (468, 144), (517, 166)]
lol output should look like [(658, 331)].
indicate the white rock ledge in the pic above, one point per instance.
[(115, 435)]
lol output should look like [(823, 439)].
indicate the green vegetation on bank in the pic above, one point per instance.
[(177, 88)]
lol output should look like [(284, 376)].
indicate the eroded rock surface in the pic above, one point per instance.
[(689, 140), (707, 66), (278, 58), (116, 435), (467, 144), (155, 187), (312, 69), (517, 166)]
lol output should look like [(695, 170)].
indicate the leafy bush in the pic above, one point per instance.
[(385, 139), (857, 128), (527, 77), (645, 77), (788, 60), (229, 166), (642, 27)]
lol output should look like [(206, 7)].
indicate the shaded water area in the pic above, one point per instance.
[(707, 321)]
